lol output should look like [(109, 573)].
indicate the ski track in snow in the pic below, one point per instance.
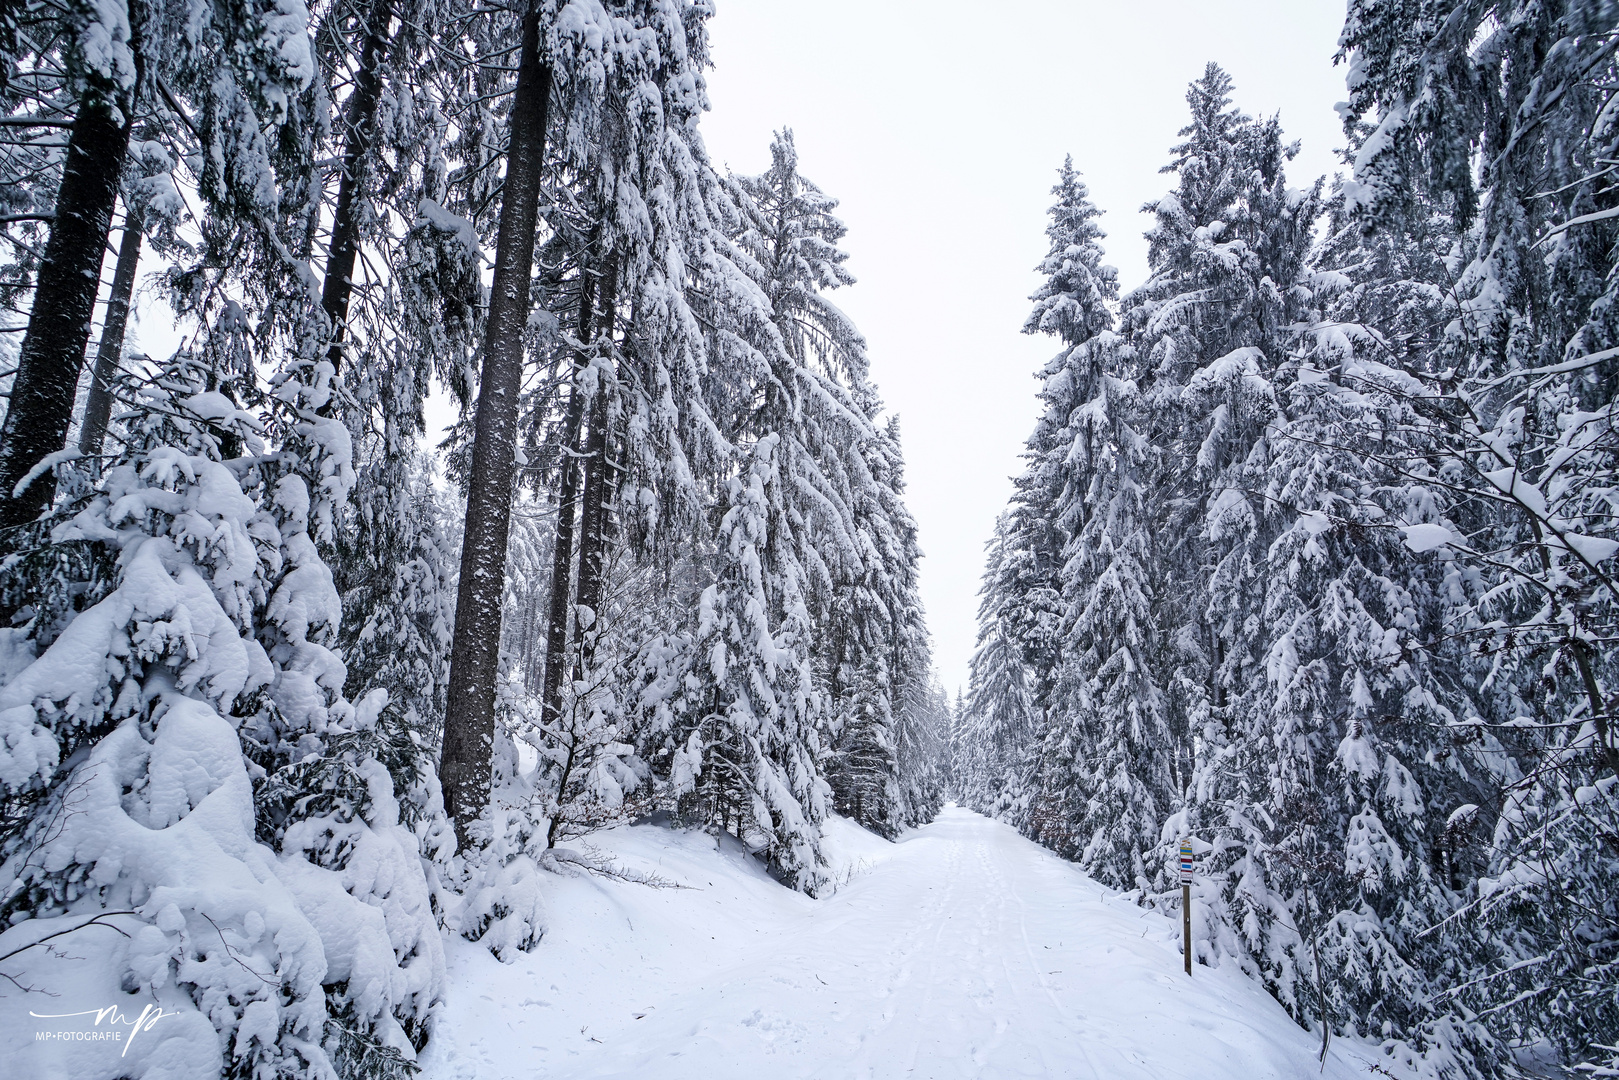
[(964, 950)]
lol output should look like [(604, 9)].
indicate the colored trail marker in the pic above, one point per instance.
[(1186, 901)]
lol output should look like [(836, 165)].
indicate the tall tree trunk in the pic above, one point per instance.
[(469, 722), (598, 487), (556, 631), (64, 301), (98, 406), (1599, 709), (360, 130)]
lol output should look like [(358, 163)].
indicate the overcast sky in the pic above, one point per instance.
[(940, 126)]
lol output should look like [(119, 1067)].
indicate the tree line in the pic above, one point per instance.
[(1311, 557), (280, 699)]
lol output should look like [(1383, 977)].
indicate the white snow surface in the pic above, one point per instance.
[(963, 950)]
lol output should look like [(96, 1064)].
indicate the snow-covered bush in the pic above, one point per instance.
[(208, 825)]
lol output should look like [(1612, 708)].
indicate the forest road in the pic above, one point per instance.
[(963, 951)]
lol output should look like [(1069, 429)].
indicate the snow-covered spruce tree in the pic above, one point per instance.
[(957, 748), (921, 711), (644, 199), (923, 737), (400, 301), (1277, 644), (785, 534), (883, 760), (857, 658), (1096, 688), (91, 59), (298, 935), (787, 378), (1315, 777), (1105, 778), (873, 651), (877, 619), (779, 401), (863, 763), (1145, 474), (1203, 331), (750, 705), (1367, 654), (1022, 611), (1199, 356), (1500, 117), (332, 787), (802, 368), (1006, 729), (1072, 306), (799, 359), (397, 625), (386, 338), (627, 203), (1360, 666), (601, 65)]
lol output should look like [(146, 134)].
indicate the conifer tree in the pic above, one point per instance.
[(1497, 119), (233, 640), (105, 61), (469, 716), (750, 757), (1006, 728)]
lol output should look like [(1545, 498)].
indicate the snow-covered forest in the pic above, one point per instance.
[(289, 691), (315, 722), (1311, 558)]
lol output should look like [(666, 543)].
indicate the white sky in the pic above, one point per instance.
[(940, 127)]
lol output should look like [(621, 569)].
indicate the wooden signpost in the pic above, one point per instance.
[(1186, 901)]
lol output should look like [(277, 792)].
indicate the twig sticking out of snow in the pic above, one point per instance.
[(94, 920), (593, 861)]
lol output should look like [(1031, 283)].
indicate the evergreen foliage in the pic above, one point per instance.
[(1333, 505), (228, 646)]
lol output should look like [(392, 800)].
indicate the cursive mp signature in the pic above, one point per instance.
[(149, 1016)]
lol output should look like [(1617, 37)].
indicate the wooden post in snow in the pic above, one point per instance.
[(1186, 901)]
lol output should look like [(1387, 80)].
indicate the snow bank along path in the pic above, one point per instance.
[(962, 951)]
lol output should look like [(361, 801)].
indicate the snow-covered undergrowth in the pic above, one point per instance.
[(963, 950), (208, 866)]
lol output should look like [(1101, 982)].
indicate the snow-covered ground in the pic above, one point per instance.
[(962, 951)]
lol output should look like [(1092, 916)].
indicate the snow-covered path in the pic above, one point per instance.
[(963, 951)]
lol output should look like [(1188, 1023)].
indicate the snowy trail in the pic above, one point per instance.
[(962, 951)]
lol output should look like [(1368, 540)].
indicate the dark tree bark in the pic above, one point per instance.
[(10, 12), (556, 630), (1599, 710), (598, 493), (98, 406), (359, 134), (64, 302), (469, 723)]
